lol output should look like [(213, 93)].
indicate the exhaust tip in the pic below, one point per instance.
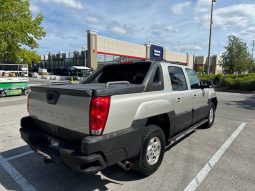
[(128, 165), (125, 165)]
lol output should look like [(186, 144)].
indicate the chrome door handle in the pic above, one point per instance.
[(178, 100)]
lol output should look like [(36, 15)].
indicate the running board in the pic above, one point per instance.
[(177, 137)]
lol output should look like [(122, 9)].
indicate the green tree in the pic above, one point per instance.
[(19, 32), (200, 70), (236, 58)]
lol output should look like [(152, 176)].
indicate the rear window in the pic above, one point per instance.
[(133, 73)]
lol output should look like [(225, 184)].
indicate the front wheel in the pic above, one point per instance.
[(152, 151), (210, 117), (26, 91)]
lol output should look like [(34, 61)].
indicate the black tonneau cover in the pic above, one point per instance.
[(92, 89)]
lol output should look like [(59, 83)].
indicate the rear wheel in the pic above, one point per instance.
[(27, 91), (2, 94), (210, 117), (152, 151)]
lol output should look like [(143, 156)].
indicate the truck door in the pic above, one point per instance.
[(182, 99), (199, 96)]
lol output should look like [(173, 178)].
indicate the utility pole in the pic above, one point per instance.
[(252, 49), (210, 37)]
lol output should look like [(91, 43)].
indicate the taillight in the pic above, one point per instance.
[(99, 109), (28, 97)]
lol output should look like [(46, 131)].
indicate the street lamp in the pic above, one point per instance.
[(210, 37), (252, 49)]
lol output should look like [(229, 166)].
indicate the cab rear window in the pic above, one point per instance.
[(133, 73)]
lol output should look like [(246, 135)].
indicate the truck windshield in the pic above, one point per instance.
[(133, 73)]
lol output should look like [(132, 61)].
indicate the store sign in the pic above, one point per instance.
[(156, 53)]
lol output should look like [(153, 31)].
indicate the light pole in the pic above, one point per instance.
[(210, 37), (252, 49)]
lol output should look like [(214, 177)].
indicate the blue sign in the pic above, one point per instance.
[(156, 53)]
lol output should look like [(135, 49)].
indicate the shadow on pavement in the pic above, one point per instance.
[(118, 174), (46, 177), (248, 103)]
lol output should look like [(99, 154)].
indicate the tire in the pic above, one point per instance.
[(2, 94), (27, 91), (150, 158), (210, 117)]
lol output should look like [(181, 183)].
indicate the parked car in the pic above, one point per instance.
[(123, 113)]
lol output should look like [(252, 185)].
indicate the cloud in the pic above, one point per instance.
[(239, 16), (177, 46), (34, 8), (232, 33), (179, 8), (188, 47), (92, 20), (203, 6), (121, 29), (249, 30), (73, 4), (73, 37), (118, 30), (55, 32), (162, 30), (248, 33)]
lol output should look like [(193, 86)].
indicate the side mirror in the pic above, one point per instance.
[(207, 84)]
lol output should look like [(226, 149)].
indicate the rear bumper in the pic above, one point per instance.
[(92, 154)]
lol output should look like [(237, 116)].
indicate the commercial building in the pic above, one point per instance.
[(103, 50), (60, 62), (201, 63)]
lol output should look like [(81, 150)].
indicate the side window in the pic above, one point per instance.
[(193, 79), (177, 77)]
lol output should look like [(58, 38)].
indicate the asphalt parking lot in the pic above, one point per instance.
[(219, 158)]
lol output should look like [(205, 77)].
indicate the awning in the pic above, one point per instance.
[(81, 67)]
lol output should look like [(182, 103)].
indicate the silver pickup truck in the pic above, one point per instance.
[(123, 113)]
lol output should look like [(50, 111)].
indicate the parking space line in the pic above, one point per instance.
[(2, 187), (194, 184), (19, 155), (9, 123), (16, 176)]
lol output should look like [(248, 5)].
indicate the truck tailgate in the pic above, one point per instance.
[(66, 106)]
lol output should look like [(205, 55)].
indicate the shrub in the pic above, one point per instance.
[(207, 77), (240, 82), (218, 79), (200, 70), (233, 81)]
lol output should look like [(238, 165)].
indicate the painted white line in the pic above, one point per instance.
[(194, 184), (16, 176), (19, 155), (9, 123), (2, 187)]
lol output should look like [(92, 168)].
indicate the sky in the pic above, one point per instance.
[(178, 25)]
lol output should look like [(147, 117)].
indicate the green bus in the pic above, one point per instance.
[(13, 80)]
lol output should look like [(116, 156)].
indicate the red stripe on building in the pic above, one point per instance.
[(121, 55)]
